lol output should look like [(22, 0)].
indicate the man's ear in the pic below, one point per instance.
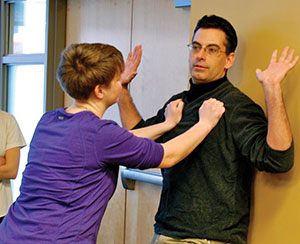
[(229, 60), (99, 91)]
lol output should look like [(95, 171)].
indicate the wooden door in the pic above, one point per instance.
[(163, 31)]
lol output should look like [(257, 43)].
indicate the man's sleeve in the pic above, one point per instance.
[(250, 126)]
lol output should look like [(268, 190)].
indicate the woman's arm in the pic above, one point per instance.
[(173, 114), (209, 113)]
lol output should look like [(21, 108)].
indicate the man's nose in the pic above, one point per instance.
[(201, 54)]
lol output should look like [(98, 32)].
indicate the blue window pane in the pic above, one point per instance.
[(28, 26), (26, 103)]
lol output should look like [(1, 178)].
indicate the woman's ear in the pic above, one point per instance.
[(99, 91)]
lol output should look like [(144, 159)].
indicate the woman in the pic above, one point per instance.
[(75, 155)]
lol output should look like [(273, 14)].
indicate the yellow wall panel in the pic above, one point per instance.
[(263, 26)]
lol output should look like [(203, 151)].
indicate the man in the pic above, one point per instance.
[(206, 198), (11, 142)]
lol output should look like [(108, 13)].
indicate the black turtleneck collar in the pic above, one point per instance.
[(197, 90)]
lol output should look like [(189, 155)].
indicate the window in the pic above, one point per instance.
[(32, 36)]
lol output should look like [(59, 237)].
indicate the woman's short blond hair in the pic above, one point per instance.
[(84, 66)]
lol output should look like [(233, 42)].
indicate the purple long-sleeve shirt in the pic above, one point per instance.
[(71, 174)]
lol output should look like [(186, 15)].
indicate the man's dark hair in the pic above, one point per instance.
[(220, 23)]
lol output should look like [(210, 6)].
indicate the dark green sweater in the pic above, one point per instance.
[(207, 195)]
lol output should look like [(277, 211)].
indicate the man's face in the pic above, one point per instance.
[(206, 66)]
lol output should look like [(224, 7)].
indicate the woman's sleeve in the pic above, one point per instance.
[(115, 145)]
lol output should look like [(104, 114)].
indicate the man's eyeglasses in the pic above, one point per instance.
[(209, 50)]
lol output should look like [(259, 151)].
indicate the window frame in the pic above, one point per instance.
[(55, 43)]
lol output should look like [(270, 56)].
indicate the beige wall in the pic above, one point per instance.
[(263, 26)]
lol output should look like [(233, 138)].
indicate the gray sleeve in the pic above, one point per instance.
[(250, 126)]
